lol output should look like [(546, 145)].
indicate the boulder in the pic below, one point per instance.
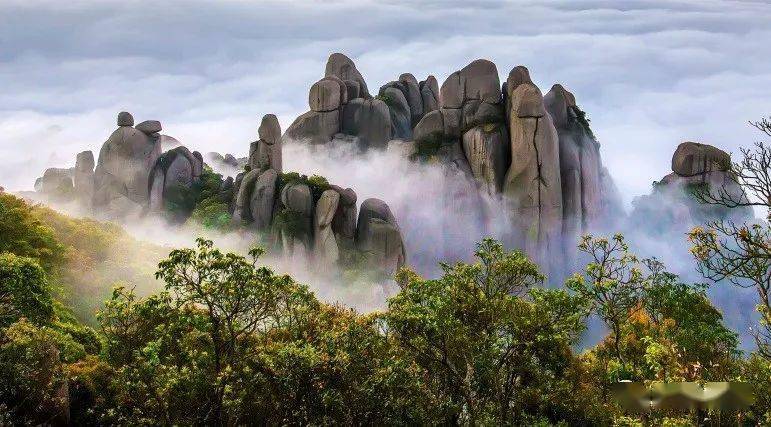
[(83, 177), (344, 221), (558, 102), (414, 98), (242, 210), (149, 126), (399, 111), (265, 153), (517, 76), (124, 165), (269, 130), (179, 168), (315, 127), (378, 234), (429, 93), (343, 67), (297, 197), (325, 247), (125, 119), (481, 81), (369, 120), (693, 158), (372, 208), (430, 126), (452, 93), (57, 181), (487, 151), (532, 186), (84, 161), (352, 88), (385, 247), (477, 80), (580, 167), (343, 88), (262, 199), (297, 233), (324, 96)]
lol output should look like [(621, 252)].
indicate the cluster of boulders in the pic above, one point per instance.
[(535, 152), (536, 155), (677, 200), (132, 174), (315, 219), (341, 105)]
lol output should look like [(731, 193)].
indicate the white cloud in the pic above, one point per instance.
[(650, 73)]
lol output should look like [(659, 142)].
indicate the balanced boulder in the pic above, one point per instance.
[(125, 162)]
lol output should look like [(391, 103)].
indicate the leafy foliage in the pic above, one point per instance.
[(317, 184), (24, 234), (483, 343), (24, 291)]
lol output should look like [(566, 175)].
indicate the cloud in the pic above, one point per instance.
[(650, 74)]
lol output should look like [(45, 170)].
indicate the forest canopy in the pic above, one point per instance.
[(483, 343)]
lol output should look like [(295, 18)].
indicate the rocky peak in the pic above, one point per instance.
[(693, 158)]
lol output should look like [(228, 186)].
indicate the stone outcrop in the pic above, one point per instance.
[(175, 171), (325, 249), (692, 159), (378, 234), (487, 150), (83, 177), (580, 166), (265, 153), (342, 67), (429, 94), (532, 185), (369, 120), (413, 96), (344, 221), (262, 200), (55, 181), (672, 207), (326, 100), (122, 174), (512, 152)]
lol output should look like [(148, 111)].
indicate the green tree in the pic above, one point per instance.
[(24, 291), (740, 253), (612, 282), (493, 352), (24, 235)]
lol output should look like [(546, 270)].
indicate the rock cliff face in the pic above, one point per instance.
[(536, 153)]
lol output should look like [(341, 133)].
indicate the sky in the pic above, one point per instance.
[(650, 74)]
